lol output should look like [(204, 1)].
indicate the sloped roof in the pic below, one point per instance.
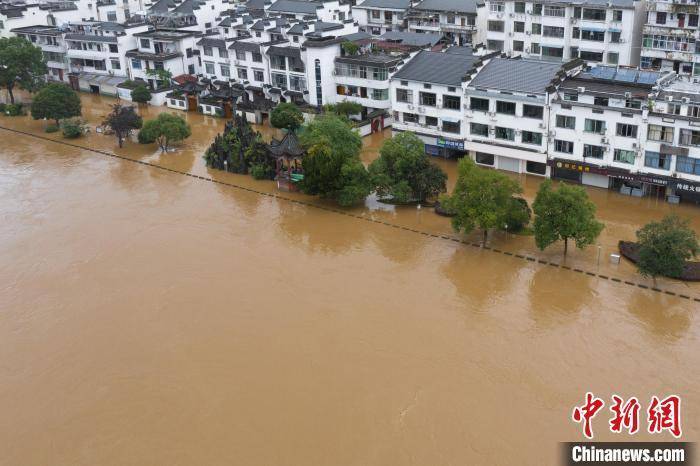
[(437, 68), (457, 6), (296, 6), (288, 146), (517, 75), (417, 39), (387, 4)]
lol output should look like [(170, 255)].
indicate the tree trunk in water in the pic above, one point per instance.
[(566, 245), (121, 142), (486, 234), (12, 96)]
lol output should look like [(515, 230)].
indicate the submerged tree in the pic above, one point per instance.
[(21, 65), (482, 198), (123, 121), (665, 246), (404, 171), (564, 213), (140, 94), (166, 129), (56, 102), (240, 149), (287, 116), (332, 166)]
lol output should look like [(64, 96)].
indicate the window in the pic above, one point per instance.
[(575, 33), (518, 46), (225, 71), (115, 64), (494, 44), (557, 11), (145, 44), (615, 37), (404, 95), (507, 108), (427, 86), (495, 26), (258, 76), (240, 54), (431, 121), (257, 57), (450, 126), (478, 129), (633, 103), (519, 26), (380, 94), (496, 7), (566, 147), (519, 7), (451, 89), (557, 52), (451, 102), (208, 52), (536, 29), (113, 48), (507, 134), (660, 133), (689, 137), (427, 98), (257, 34), (376, 14), (613, 58), (624, 156), (626, 131), (657, 160), (617, 15), (569, 97), (694, 111), (660, 17), (295, 38), (594, 14), (410, 118), (596, 152), (596, 36), (280, 80), (278, 62), (536, 167), (484, 159), (158, 65), (528, 137), (564, 121), (209, 68), (688, 165), (673, 109), (602, 101), (535, 48), (693, 20), (481, 105), (533, 111), (552, 31), (135, 64), (537, 9), (591, 56)]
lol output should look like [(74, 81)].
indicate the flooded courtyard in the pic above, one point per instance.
[(153, 318)]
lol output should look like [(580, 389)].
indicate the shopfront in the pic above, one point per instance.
[(687, 191), (579, 172), (447, 148), (638, 184)]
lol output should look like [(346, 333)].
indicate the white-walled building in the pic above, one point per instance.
[(595, 31), (670, 40), (456, 19), (50, 40), (163, 49), (379, 16)]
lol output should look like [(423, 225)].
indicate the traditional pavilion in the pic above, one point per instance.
[(288, 155)]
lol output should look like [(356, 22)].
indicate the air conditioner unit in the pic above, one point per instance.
[(581, 89), (669, 98), (603, 140), (686, 100), (628, 95)]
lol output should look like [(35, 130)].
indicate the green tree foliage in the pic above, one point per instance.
[(347, 108), (332, 166), (72, 128), (350, 48), (665, 246), (564, 213), (482, 198), (517, 216), (123, 121), (162, 76), (56, 102), (404, 172), (286, 116), (140, 94), (166, 129), (21, 65)]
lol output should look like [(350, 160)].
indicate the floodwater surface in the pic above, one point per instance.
[(149, 318)]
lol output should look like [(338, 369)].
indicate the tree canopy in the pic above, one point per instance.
[(286, 115), (404, 172), (55, 102), (166, 129), (21, 65), (564, 213), (332, 166), (665, 246), (123, 120), (140, 94), (482, 198)]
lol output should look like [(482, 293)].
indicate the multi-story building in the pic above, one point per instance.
[(379, 16), (671, 37), (162, 49), (323, 10), (50, 40), (456, 19), (597, 32)]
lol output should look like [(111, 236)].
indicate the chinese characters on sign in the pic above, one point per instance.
[(449, 144), (662, 415)]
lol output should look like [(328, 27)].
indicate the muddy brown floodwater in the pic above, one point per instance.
[(148, 317)]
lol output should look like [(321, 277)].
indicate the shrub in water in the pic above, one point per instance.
[(51, 129), (72, 128)]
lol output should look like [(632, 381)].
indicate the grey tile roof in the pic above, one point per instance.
[(457, 6), (460, 50), (211, 42), (595, 3), (390, 4), (516, 75), (326, 26), (296, 6), (437, 68), (417, 39), (92, 38), (245, 46)]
